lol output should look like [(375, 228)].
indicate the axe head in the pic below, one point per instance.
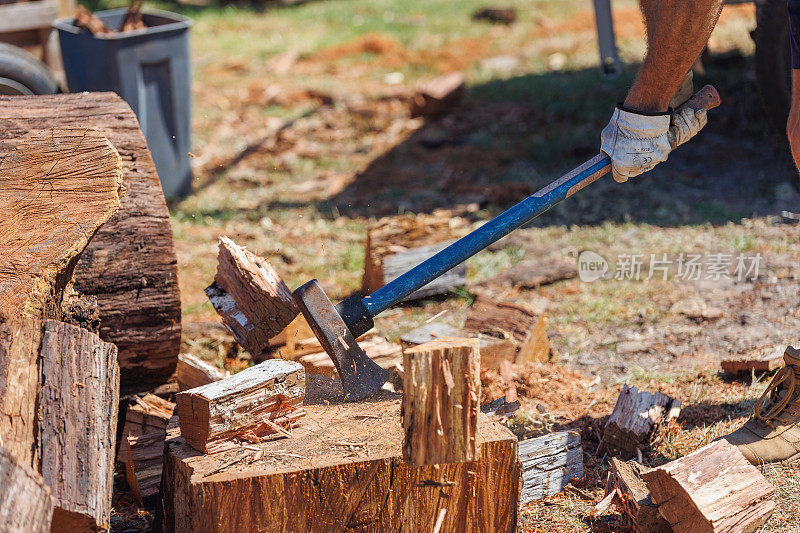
[(361, 376)]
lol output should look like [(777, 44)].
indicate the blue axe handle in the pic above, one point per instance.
[(508, 221)]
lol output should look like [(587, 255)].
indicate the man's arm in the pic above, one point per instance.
[(636, 138), (677, 32)]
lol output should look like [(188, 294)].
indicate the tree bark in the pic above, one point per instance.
[(260, 402), (714, 489), (441, 390), (253, 301), (342, 470), (130, 264), (26, 505), (78, 407)]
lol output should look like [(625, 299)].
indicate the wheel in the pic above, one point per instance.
[(773, 61), (22, 74)]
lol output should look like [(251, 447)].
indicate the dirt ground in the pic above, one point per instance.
[(304, 138)]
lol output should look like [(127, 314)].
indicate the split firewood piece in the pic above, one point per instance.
[(441, 388), (438, 95), (714, 489), (386, 354), (56, 188), (505, 320), (261, 400), (85, 19), (632, 497), (397, 244), (635, 415), (147, 414), (77, 429), (133, 17), (549, 463), (346, 469), (144, 463), (26, 504), (193, 372), (253, 301), (764, 360), (59, 186)]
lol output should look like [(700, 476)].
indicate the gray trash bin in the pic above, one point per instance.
[(149, 69)]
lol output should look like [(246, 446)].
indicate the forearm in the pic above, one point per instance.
[(677, 30)]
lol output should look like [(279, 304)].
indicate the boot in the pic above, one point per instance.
[(772, 435)]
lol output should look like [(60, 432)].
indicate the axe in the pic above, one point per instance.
[(337, 327)]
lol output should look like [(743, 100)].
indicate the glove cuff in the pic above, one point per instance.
[(621, 107)]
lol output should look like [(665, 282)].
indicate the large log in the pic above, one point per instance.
[(441, 391), (549, 463), (253, 301), (635, 416), (714, 489), (77, 426), (342, 470), (130, 264), (58, 187), (26, 505), (258, 402)]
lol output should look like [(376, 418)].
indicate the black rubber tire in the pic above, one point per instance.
[(22, 73), (773, 63)]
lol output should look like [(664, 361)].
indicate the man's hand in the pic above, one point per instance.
[(637, 142)]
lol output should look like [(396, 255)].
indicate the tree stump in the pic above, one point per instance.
[(341, 470), (26, 505), (130, 264), (256, 403), (714, 489), (253, 301), (549, 463), (441, 390), (636, 414)]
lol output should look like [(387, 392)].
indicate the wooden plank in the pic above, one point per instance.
[(28, 15), (26, 504), (252, 299), (260, 402), (78, 406), (342, 471), (549, 463), (130, 264), (636, 414), (714, 489), (441, 390), (194, 372)]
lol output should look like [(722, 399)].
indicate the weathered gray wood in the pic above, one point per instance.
[(26, 504), (636, 414), (78, 406), (712, 490), (257, 403), (549, 463)]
